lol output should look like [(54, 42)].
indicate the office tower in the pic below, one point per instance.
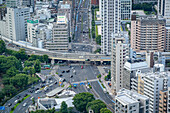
[(16, 23), (163, 97), (126, 7), (110, 17), (164, 9), (130, 68), (131, 102), (120, 49), (148, 33), (60, 35)]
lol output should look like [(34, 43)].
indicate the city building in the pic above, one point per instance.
[(131, 102), (167, 47), (15, 23), (126, 7), (120, 49), (95, 2), (12, 3), (168, 101), (163, 97), (131, 66), (110, 19), (164, 9), (150, 84), (144, 1), (3, 11), (1, 1), (49, 103), (148, 33), (60, 35)]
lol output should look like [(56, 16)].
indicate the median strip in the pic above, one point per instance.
[(19, 102)]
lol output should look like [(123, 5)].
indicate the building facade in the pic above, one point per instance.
[(110, 18), (131, 102), (168, 101), (148, 33), (126, 7), (144, 1), (95, 2), (167, 47), (163, 97), (120, 49)]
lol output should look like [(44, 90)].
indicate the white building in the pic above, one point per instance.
[(110, 18), (16, 23), (131, 102), (43, 14), (12, 3), (153, 84), (120, 49), (126, 7), (60, 35), (164, 9)]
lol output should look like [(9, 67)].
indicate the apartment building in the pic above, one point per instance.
[(110, 19), (167, 46), (126, 7), (148, 33), (144, 1), (120, 49), (168, 101), (164, 9), (60, 35), (163, 97), (131, 102)]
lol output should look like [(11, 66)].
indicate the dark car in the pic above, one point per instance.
[(25, 95), (37, 88), (64, 80), (55, 82), (68, 71), (63, 71), (18, 96), (71, 76), (60, 75)]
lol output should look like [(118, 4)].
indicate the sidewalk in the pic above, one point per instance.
[(105, 83)]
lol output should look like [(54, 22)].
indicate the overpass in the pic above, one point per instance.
[(57, 55)]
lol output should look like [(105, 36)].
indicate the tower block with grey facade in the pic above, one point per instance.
[(120, 49), (110, 16)]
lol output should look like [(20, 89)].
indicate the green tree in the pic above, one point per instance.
[(63, 108), (1, 96), (28, 63), (37, 66), (9, 90), (19, 80), (11, 72), (45, 58), (6, 81), (12, 61), (105, 110), (81, 100), (2, 47), (21, 54), (96, 105)]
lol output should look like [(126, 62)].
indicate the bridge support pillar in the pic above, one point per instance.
[(52, 62)]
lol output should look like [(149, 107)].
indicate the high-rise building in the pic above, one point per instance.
[(163, 97), (167, 47), (168, 104), (12, 3), (126, 7), (16, 23), (131, 102), (148, 33), (164, 9), (130, 68), (60, 35), (110, 17), (150, 84), (120, 49)]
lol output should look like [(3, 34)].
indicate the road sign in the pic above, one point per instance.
[(2, 107)]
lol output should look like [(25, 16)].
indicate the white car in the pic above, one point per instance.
[(16, 101), (25, 104), (38, 91)]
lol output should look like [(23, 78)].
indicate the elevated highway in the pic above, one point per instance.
[(57, 55)]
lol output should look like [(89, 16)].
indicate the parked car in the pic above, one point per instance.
[(71, 76), (63, 71), (68, 71), (60, 75), (25, 104), (81, 67), (9, 104)]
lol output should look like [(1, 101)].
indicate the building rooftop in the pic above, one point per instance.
[(55, 91)]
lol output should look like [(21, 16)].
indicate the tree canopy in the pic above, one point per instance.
[(105, 110), (95, 105), (2, 47), (64, 108), (81, 100), (37, 66)]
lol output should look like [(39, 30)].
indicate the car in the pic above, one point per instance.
[(25, 95), (9, 104), (18, 96), (51, 81), (68, 71), (81, 67), (37, 88), (25, 104), (71, 76), (55, 82), (16, 101), (63, 71), (46, 88), (38, 91), (60, 75)]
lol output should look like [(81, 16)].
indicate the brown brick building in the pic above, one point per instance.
[(163, 101)]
